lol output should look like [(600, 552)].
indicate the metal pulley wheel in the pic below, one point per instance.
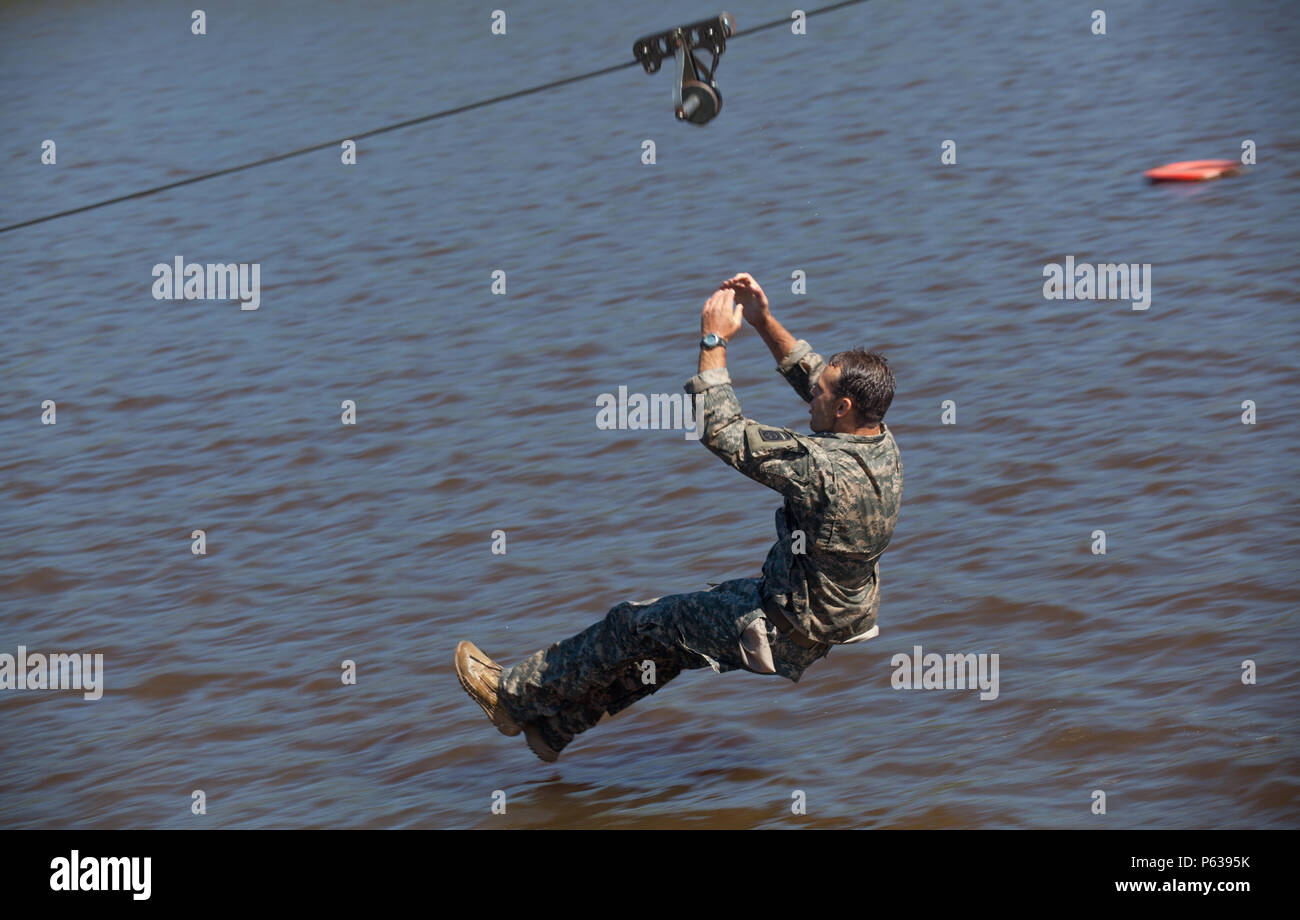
[(699, 103)]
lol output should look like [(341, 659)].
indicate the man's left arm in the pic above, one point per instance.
[(771, 456)]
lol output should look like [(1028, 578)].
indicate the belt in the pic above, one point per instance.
[(785, 627)]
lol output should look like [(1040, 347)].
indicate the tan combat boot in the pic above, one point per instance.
[(479, 675)]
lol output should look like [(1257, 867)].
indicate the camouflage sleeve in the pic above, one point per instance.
[(775, 457), (801, 368)]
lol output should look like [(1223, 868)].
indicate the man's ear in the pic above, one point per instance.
[(844, 408)]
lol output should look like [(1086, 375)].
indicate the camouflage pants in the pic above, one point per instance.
[(565, 689)]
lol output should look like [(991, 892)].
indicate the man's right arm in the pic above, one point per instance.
[(795, 359), (778, 341)]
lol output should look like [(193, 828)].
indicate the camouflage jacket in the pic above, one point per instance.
[(842, 494)]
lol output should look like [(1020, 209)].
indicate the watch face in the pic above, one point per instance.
[(713, 340)]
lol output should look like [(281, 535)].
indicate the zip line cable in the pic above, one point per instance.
[(301, 150), (384, 130)]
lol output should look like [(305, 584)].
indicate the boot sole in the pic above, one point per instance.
[(538, 745)]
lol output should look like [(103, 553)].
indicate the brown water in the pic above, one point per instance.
[(476, 412)]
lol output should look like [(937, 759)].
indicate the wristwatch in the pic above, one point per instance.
[(713, 340)]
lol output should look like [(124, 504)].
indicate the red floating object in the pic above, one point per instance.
[(1193, 170)]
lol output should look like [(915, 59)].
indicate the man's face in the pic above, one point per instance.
[(822, 407)]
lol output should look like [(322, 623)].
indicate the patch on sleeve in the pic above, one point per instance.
[(762, 440)]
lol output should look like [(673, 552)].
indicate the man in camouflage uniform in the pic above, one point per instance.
[(820, 584)]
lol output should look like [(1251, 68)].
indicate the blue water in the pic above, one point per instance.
[(476, 411)]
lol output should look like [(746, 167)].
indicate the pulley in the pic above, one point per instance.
[(695, 93)]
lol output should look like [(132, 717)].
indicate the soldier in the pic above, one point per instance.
[(820, 584)]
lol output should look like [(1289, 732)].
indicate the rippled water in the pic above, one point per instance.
[(476, 412)]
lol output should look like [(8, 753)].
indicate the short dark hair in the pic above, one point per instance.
[(866, 380)]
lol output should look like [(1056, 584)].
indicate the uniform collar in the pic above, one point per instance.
[(860, 438)]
